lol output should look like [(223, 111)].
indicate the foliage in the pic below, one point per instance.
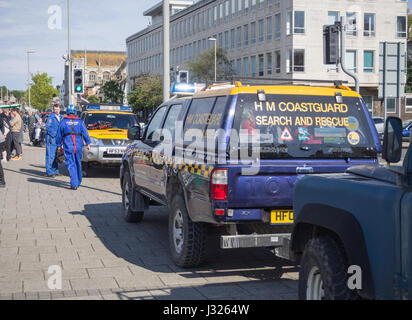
[(203, 69), (112, 92), (148, 93), (409, 27), (93, 99), (19, 95), (408, 86), (42, 91)]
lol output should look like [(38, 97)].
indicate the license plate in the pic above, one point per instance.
[(281, 217), (115, 151)]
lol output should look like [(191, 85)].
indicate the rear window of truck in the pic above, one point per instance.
[(297, 126)]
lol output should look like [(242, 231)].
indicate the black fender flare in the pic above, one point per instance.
[(345, 226)]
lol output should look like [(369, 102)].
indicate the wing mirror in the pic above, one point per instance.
[(392, 140), (133, 133)]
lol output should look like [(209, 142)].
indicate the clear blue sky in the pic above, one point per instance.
[(95, 25)]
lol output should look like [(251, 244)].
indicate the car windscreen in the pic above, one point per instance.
[(101, 121), (304, 126)]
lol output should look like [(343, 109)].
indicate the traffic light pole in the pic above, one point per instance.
[(342, 60), (69, 54)]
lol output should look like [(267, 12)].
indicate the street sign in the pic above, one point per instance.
[(392, 69)]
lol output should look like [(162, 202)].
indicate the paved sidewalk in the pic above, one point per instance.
[(44, 223)]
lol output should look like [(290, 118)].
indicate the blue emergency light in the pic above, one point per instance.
[(109, 108), (182, 88)]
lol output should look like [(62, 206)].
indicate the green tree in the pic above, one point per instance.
[(148, 93), (93, 99), (409, 27), (203, 69), (42, 91), (112, 92), (19, 95)]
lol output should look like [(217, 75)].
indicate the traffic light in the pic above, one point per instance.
[(331, 44), (78, 81), (183, 76)]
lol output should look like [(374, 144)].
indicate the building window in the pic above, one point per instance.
[(261, 31), (233, 7), (226, 40), (239, 67), (261, 4), (246, 67), (277, 26), (106, 76), (299, 60), (253, 32), (226, 10), (333, 16), (253, 6), (401, 27), (408, 105), (239, 7), (261, 66), (246, 6), (269, 28), (299, 22), (232, 38), (351, 61), (92, 76), (253, 66), (368, 61), (220, 40), (214, 14), (391, 105), (352, 29), (246, 34), (239, 37), (268, 64), (277, 61), (369, 25)]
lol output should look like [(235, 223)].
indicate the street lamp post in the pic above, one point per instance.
[(28, 74), (214, 39)]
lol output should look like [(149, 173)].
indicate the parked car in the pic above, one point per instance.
[(406, 132), (380, 125), (358, 221), (299, 129)]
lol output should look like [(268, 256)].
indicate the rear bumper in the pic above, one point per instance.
[(279, 241), (102, 155)]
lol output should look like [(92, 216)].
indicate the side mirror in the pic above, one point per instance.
[(133, 133), (392, 140)]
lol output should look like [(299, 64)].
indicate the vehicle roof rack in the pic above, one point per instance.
[(283, 81)]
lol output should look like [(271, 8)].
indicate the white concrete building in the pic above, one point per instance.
[(275, 39)]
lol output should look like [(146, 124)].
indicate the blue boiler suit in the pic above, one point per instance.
[(71, 133), (52, 127)]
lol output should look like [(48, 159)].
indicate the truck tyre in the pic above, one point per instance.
[(127, 192), (187, 239), (323, 274)]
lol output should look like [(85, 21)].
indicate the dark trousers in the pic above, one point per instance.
[(2, 182), (17, 142), (8, 145)]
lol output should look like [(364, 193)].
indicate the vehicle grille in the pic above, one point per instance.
[(112, 156), (116, 142)]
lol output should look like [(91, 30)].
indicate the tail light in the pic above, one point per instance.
[(219, 185)]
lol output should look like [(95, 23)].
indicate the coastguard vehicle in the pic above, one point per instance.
[(230, 156), (107, 126)]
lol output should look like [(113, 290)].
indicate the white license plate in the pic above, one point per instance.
[(115, 151)]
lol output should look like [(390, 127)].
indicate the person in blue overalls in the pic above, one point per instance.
[(52, 126), (72, 132)]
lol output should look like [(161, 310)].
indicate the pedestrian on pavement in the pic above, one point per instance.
[(16, 123), (7, 130), (52, 126), (31, 121), (72, 131)]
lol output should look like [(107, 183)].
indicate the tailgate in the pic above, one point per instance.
[(273, 186)]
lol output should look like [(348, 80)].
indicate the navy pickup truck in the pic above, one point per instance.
[(353, 231), (229, 157)]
